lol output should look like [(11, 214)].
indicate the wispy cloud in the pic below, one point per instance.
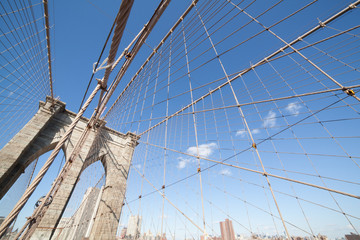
[(270, 120), (183, 162), (255, 131), (225, 172), (204, 150), (241, 133), (138, 166), (293, 108)]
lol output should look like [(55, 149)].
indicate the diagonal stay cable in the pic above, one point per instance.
[(261, 62), (251, 170)]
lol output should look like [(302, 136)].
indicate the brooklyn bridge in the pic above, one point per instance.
[(193, 119)]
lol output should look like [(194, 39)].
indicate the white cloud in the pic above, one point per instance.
[(138, 166), (255, 131), (270, 120), (204, 150), (241, 133), (225, 172), (293, 108), (182, 162)]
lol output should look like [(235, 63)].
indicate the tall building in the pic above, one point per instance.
[(123, 233), (227, 230), (80, 224), (134, 227)]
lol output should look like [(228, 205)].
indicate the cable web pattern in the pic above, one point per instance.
[(244, 116), (24, 72)]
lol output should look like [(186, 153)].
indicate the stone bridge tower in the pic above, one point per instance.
[(41, 135)]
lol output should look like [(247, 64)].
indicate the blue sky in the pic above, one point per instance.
[(80, 30), (80, 33)]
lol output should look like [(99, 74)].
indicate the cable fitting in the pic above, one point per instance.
[(349, 91), (102, 65), (199, 170), (100, 81), (163, 187), (254, 145), (127, 54), (321, 23), (352, 6), (139, 196)]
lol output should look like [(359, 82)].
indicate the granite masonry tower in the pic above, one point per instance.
[(41, 135)]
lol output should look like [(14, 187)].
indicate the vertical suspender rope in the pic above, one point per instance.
[(101, 85), (40, 211), (122, 17), (195, 130), (143, 36), (152, 54), (259, 63), (20, 204)]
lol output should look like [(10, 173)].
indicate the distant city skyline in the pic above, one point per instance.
[(226, 233), (197, 150)]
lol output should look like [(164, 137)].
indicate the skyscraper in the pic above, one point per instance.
[(80, 224), (134, 226), (227, 230)]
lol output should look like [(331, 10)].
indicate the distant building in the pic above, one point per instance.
[(134, 227), (148, 236), (158, 237), (80, 224), (123, 233), (163, 237), (227, 230), (352, 236), (321, 237), (297, 238)]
